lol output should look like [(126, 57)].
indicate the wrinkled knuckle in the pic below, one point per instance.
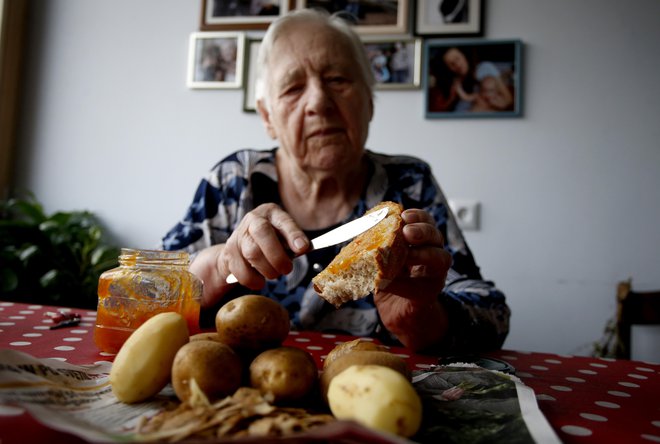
[(270, 207), (250, 251), (259, 227)]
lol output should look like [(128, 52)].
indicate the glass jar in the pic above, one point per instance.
[(147, 282)]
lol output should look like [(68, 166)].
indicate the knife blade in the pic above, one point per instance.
[(340, 234)]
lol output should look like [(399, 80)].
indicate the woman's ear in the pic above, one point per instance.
[(262, 109)]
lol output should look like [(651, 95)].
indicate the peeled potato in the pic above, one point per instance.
[(143, 365), (376, 397), (289, 373), (212, 365), (361, 357), (253, 323)]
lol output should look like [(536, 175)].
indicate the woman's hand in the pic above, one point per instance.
[(409, 305), (256, 250)]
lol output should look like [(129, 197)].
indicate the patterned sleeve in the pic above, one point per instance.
[(195, 231), (219, 203), (478, 313)]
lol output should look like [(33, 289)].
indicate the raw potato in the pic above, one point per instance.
[(214, 366), (210, 336), (289, 373), (361, 357), (253, 323), (349, 347), (143, 365), (376, 397)]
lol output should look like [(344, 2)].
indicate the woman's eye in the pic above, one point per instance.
[(336, 80), (293, 89)]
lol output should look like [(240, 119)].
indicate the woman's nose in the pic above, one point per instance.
[(318, 98)]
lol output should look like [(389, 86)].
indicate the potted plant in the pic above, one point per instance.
[(53, 259)]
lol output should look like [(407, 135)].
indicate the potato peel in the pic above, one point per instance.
[(246, 413)]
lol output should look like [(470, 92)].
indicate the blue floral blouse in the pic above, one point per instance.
[(479, 316)]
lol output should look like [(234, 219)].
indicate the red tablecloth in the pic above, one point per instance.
[(586, 400)]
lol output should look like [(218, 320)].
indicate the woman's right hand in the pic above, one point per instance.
[(257, 250)]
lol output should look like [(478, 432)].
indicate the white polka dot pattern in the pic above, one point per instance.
[(540, 367), (585, 399), (561, 388), (576, 430), (613, 388), (619, 394), (8, 410), (636, 376), (607, 405), (593, 417), (574, 379)]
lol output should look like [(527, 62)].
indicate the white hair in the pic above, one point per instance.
[(323, 18)]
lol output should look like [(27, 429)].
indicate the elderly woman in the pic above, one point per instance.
[(315, 98)]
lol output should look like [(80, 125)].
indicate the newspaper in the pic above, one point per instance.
[(79, 400), (70, 398), (465, 403)]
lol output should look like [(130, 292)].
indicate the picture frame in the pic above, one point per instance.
[(369, 17), (473, 78), (227, 15), (396, 62), (215, 60), (449, 18), (249, 95)]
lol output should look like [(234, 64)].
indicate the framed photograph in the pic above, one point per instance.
[(396, 63), (369, 17), (449, 18), (473, 78), (215, 60), (249, 98), (223, 15)]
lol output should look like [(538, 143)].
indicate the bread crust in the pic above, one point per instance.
[(368, 262)]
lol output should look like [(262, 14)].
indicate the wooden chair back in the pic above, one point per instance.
[(634, 308)]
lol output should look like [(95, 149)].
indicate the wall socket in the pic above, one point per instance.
[(466, 212)]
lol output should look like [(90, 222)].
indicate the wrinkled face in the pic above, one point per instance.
[(320, 107), (456, 62)]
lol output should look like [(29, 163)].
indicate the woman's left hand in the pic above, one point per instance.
[(409, 305)]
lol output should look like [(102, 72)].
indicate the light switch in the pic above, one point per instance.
[(466, 212)]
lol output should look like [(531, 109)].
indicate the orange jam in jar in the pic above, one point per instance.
[(147, 282)]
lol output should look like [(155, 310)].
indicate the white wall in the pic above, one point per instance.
[(569, 192)]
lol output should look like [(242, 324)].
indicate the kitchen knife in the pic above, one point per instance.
[(339, 234)]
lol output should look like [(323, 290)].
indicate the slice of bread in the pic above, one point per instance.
[(368, 262)]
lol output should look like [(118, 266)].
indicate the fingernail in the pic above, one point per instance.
[(299, 243)]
